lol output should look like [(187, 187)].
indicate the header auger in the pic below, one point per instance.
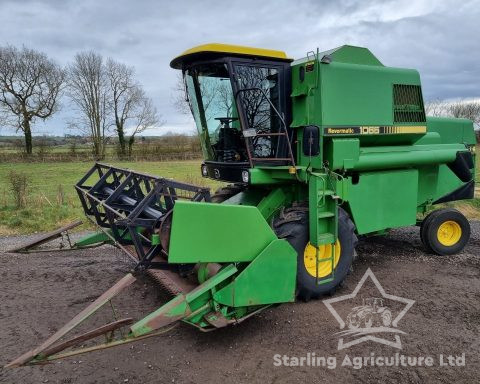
[(317, 151)]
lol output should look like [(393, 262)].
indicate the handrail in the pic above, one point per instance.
[(278, 114)]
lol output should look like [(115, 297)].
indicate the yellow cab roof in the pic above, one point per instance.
[(216, 49)]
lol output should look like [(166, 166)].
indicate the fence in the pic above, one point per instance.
[(88, 157)]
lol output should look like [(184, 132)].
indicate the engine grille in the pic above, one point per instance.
[(408, 104)]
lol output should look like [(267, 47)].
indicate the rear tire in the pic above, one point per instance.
[(292, 225), (423, 227), (445, 231)]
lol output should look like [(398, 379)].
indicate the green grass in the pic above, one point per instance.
[(47, 209)]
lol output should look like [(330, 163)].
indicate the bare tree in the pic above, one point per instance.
[(179, 97), (125, 95), (209, 91), (466, 109), (436, 108), (146, 117), (89, 91), (130, 104), (30, 85)]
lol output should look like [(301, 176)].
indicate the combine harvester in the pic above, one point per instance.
[(319, 150)]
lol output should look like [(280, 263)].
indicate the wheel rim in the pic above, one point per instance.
[(449, 233), (324, 253), (386, 319)]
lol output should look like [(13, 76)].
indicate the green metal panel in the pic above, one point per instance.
[(352, 54), (360, 94), (204, 232), (342, 153), (386, 199), (387, 157), (347, 154), (270, 175), (429, 138), (272, 202), (427, 184), (452, 130), (269, 278), (447, 182), (354, 89), (94, 238), (250, 196)]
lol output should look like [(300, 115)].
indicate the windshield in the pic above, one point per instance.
[(213, 108), (212, 102)]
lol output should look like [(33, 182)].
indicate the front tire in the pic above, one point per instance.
[(292, 225), (224, 193)]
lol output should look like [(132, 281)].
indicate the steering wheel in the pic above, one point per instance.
[(226, 120)]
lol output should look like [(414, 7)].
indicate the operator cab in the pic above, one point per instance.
[(238, 99)]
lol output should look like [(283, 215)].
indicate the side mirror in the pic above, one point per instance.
[(311, 140)]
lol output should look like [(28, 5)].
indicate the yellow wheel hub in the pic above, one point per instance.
[(449, 233), (324, 261)]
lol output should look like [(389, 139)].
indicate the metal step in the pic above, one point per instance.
[(326, 238)]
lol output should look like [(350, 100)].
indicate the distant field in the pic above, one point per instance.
[(52, 200), (55, 149)]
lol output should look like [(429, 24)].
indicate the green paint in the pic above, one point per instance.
[(385, 157), (270, 204), (94, 238), (383, 200), (269, 278), (155, 239), (204, 232)]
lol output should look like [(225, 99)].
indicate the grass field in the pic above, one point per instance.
[(52, 200)]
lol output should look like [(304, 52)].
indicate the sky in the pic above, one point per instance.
[(438, 38)]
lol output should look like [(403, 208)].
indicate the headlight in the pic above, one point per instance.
[(204, 170), (245, 176)]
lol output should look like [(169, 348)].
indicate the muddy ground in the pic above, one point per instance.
[(40, 292)]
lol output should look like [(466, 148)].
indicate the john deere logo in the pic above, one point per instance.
[(371, 317)]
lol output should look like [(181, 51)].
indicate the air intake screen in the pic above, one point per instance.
[(408, 104)]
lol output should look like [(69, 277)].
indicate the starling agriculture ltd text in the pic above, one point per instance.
[(359, 362)]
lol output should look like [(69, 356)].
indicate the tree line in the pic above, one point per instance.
[(104, 93), (467, 109)]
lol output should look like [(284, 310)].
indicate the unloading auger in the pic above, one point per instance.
[(319, 150)]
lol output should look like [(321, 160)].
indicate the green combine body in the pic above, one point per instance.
[(318, 151)]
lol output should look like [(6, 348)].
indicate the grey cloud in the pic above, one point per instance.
[(440, 39)]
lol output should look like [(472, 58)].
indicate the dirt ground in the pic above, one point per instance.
[(40, 292)]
